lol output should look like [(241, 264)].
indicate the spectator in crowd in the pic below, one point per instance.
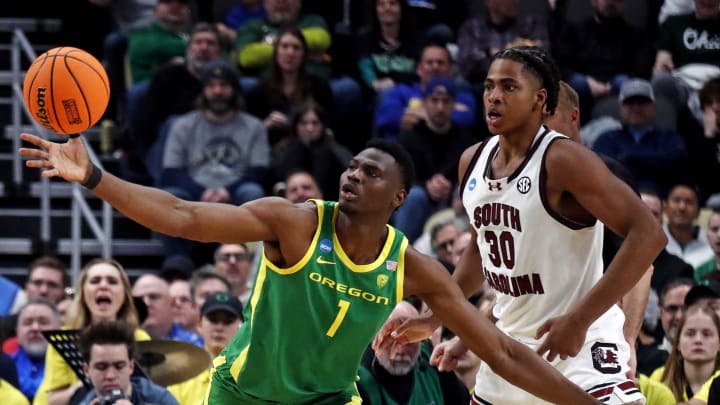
[(387, 47), (160, 323), (482, 36), (206, 282), (401, 373), (216, 153), (285, 87), (172, 90), (256, 39), (103, 293), (710, 270), (667, 266), (127, 16), (442, 241), (108, 350), (672, 308), (685, 239), (313, 148), (596, 57), (435, 144), (221, 316), (47, 278), (38, 315), (185, 312), (675, 7), (654, 157), (161, 42), (402, 107), (696, 356), (234, 262), (688, 54), (301, 186), (707, 295), (702, 139)]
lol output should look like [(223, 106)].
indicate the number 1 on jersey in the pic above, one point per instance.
[(344, 305)]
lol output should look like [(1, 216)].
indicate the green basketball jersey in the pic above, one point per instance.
[(307, 325)]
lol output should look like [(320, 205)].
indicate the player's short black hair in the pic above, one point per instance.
[(401, 156), (539, 63), (107, 333)]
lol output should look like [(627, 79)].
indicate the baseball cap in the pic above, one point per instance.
[(220, 69), (709, 290), (222, 302), (440, 86), (636, 88)]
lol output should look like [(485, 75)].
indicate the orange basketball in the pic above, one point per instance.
[(66, 90)]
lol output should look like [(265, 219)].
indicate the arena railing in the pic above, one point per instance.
[(80, 208)]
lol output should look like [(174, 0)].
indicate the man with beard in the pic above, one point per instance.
[(216, 153), (401, 373), (172, 91), (38, 315)]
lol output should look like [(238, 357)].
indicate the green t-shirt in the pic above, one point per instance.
[(309, 324), (152, 47)]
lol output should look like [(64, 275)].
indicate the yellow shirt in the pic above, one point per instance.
[(704, 392), (656, 375), (656, 393), (11, 395), (192, 391), (58, 373)]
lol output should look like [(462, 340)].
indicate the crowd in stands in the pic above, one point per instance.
[(272, 97)]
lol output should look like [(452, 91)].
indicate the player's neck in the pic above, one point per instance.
[(516, 143), (362, 240)]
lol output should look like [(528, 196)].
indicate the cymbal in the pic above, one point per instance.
[(168, 362)]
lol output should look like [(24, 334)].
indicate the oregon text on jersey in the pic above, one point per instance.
[(351, 291)]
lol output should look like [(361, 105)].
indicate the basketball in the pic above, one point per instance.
[(66, 90)]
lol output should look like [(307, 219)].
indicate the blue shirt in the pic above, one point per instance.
[(390, 110), (30, 372), (177, 332)]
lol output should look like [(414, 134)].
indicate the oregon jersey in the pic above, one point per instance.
[(308, 325)]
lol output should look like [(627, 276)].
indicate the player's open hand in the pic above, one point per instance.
[(446, 355), (565, 337), (68, 160), (416, 329)]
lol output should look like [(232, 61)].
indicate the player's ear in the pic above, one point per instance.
[(399, 198), (541, 98)]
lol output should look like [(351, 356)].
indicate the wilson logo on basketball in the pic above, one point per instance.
[(41, 112), (71, 110)]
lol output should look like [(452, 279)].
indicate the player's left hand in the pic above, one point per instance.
[(565, 337)]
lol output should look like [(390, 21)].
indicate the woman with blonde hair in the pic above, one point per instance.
[(694, 358), (103, 293)]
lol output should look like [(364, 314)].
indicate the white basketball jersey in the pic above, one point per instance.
[(539, 263)]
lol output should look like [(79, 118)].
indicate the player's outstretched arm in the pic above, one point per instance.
[(157, 209), (574, 169), (519, 365)]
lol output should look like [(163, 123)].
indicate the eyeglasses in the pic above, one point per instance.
[(674, 308), (225, 257)]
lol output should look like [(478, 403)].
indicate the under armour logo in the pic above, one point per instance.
[(494, 185)]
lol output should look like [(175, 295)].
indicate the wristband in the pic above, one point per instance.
[(94, 179)]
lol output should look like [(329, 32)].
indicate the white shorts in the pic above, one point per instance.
[(599, 369)]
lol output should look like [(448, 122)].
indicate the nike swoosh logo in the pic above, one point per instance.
[(320, 260)]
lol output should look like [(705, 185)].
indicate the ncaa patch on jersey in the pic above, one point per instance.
[(326, 246), (471, 184)]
